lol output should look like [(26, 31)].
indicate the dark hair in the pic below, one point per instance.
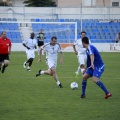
[(83, 32), (85, 40), (3, 32), (54, 37)]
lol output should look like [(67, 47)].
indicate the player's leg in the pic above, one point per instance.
[(5, 62), (87, 75), (82, 62), (4, 65), (38, 50), (30, 58), (51, 71), (55, 76), (96, 78), (1, 60), (38, 47)]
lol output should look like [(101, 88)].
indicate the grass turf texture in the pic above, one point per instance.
[(25, 97)]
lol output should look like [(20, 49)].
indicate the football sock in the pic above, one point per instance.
[(28, 67), (82, 69), (84, 84), (101, 85), (42, 72), (58, 82), (78, 69)]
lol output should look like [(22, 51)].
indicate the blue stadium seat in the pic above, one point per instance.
[(67, 20), (110, 41), (37, 20), (14, 19), (61, 20)]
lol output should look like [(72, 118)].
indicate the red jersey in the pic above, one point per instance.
[(4, 45)]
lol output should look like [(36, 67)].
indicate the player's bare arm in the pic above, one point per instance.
[(74, 48), (92, 60)]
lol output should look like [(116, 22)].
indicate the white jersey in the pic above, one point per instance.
[(31, 43), (52, 51), (80, 48)]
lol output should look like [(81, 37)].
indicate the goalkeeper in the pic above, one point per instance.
[(40, 40)]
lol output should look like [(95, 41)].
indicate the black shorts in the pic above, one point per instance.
[(4, 57), (40, 43)]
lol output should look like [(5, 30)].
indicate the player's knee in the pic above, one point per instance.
[(95, 79), (6, 62), (82, 66), (31, 59)]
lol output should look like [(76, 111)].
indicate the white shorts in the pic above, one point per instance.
[(82, 59), (51, 63), (30, 54)]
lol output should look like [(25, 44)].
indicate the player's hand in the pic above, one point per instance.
[(84, 72), (92, 66), (39, 60), (76, 53)]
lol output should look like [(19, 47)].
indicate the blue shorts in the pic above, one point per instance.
[(97, 72)]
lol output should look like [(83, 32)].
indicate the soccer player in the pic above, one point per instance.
[(40, 40), (94, 69), (81, 54), (5, 49), (117, 38), (52, 50), (30, 44)]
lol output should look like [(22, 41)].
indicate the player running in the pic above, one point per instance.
[(30, 44), (52, 50)]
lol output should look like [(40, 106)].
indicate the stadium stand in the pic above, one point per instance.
[(12, 30), (97, 31)]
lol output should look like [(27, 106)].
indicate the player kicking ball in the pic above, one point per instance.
[(52, 50), (94, 69)]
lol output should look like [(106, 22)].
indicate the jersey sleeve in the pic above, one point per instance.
[(91, 50), (60, 48), (25, 41), (75, 42)]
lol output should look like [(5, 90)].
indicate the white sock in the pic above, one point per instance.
[(28, 67), (58, 82), (78, 70), (42, 72), (82, 69)]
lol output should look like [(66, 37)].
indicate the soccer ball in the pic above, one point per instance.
[(73, 85)]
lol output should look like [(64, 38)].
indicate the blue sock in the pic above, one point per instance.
[(84, 84), (101, 85)]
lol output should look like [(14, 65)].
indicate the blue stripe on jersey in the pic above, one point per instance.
[(97, 57)]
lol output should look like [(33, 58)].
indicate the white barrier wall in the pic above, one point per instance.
[(102, 47), (26, 13)]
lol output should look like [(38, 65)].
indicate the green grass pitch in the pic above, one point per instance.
[(25, 97)]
